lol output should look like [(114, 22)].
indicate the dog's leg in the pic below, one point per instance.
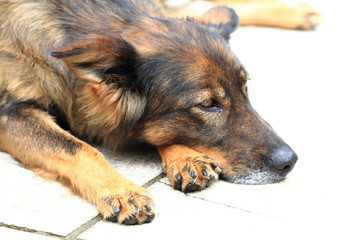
[(271, 13), (277, 14), (187, 169), (32, 136)]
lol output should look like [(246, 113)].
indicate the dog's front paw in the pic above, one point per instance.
[(305, 17), (192, 173), (127, 206)]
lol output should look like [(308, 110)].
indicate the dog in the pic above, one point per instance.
[(270, 13), (119, 73)]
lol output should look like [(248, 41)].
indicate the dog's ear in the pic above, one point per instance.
[(110, 94), (100, 56), (222, 18)]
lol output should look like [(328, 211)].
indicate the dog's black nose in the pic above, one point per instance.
[(283, 159)]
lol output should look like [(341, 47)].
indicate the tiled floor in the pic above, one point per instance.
[(306, 84)]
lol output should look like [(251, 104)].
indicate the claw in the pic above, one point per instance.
[(116, 209), (178, 177), (213, 165), (193, 174), (178, 181)]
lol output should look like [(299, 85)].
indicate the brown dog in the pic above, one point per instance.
[(119, 73)]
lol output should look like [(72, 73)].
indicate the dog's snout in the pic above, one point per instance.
[(283, 159)]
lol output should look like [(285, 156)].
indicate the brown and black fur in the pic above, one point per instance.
[(119, 73)]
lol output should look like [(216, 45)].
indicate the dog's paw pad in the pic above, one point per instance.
[(128, 207), (192, 174)]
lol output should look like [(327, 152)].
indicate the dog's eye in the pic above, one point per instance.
[(210, 105)]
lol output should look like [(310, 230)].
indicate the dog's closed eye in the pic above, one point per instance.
[(210, 105)]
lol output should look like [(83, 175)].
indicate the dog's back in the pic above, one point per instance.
[(31, 30)]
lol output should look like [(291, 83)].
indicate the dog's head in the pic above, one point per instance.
[(179, 81)]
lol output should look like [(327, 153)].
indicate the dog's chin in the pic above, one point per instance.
[(257, 177)]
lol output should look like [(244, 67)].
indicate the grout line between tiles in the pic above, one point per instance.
[(237, 208), (74, 234), (29, 230), (153, 180), (226, 205)]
